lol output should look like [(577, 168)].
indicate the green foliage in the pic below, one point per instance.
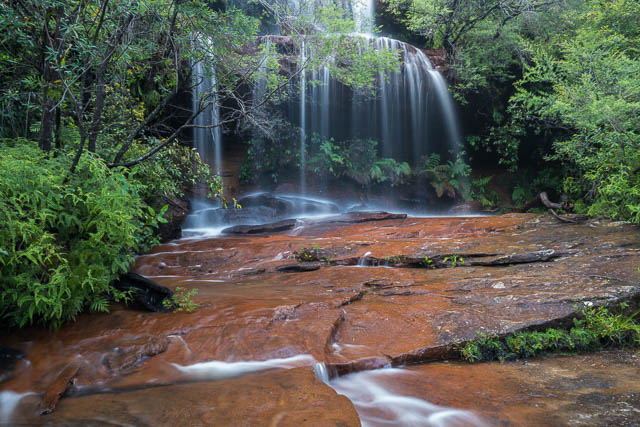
[(312, 254), (362, 156), (355, 159), (450, 178), (325, 157), (390, 171), (597, 328), (585, 88), (63, 242), (181, 300), (481, 192), (455, 260)]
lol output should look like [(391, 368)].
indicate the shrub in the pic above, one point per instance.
[(62, 241)]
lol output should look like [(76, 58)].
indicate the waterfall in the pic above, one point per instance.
[(411, 113), (363, 15), (303, 118), (207, 137), (446, 102)]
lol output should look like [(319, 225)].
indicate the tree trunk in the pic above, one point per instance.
[(49, 76), (46, 120), (97, 111), (58, 143)]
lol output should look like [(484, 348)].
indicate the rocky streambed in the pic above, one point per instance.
[(345, 320)]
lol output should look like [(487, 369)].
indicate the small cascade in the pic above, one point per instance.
[(217, 370), (321, 372), (377, 405), (364, 261), (207, 136), (9, 400)]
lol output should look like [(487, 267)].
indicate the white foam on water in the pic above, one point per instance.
[(8, 402), (169, 253), (217, 370), (202, 233), (378, 406)]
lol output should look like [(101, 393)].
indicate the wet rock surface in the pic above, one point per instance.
[(8, 359), (261, 228), (592, 389), (395, 308), (286, 398)]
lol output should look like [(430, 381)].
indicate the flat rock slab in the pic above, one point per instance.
[(275, 398), (519, 271)]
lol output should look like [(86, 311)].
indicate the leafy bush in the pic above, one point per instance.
[(63, 240), (450, 178), (326, 158), (391, 171), (171, 173), (481, 192), (181, 300), (362, 156)]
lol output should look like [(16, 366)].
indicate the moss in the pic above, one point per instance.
[(598, 328)]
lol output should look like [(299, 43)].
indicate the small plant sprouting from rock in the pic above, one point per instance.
[(455, 260), (181, 300), (428, 262), (311, 254), (598, 328)]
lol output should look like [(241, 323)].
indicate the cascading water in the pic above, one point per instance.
[(410, 115), (207, 136), (378, 405), (363, 15), (303, 119)]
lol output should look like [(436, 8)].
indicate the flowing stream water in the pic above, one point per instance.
[(378, 405)]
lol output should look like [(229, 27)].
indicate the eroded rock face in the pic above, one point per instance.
[(512, 272)]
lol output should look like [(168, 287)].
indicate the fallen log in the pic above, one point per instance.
[(144, 292)]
